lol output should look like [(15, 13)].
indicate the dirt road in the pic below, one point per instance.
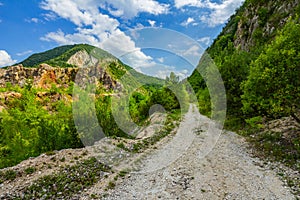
[(180, 169)]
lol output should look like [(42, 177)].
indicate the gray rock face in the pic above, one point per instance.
[(81, 59), (253, 24)]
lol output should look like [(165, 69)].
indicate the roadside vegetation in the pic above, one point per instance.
[(40, 120), (261, 80)]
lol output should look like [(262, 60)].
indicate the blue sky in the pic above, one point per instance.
[(153, 36)]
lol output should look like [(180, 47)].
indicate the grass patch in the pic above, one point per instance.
[(123, 173), (8, 175), (50, 153), (277, 147), (111, 185), (30, 170), (68, 181)]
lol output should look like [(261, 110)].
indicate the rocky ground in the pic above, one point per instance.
[(227, 172), (198, 162)]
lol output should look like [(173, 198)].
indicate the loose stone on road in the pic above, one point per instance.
[(181, 169)]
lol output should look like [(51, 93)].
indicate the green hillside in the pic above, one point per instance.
[(258, 56), (259, 31), (60, 55), (38, 58)]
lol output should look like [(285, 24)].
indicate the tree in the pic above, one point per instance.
[(273, 85)]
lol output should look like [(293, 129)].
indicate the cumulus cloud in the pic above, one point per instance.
[(50, 16), (96, 28), (92, 26), (122, 46), (5, 59), (188, 21), (194, 3), (219, 12), (70, 10), (34, 20), (132, 8), (152, 23)]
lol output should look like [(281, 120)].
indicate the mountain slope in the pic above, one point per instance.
[(258, 57), (246, 36), (62, 57)]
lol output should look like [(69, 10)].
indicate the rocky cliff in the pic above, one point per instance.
[(257, 21), (45, 75)]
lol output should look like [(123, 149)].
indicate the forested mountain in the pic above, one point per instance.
[(60, 55), (258, 57), (257, 54)]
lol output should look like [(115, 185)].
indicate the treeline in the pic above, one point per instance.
[(41, 120)]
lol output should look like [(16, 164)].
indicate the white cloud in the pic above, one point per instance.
[(131, 8), (205, 40), (92, 26), (34, 20), (194, 3), (161, 60), (96, 29), (116, 13), (1, 4), (123, 47), (219, 12), (24, 53), (188, 21), (5, 59), (63, 39), (70, 10), (193, 51), (50, 16), (152, 23)]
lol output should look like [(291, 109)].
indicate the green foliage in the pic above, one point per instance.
[(38, 58), (27, 130), (204, 102), (60, 55), (255, 122), (106, 119), (139, 105), (30, 170), (262, 81), (263, 16), (172, 96), (116, 70), (8, 175), (273, 86)]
